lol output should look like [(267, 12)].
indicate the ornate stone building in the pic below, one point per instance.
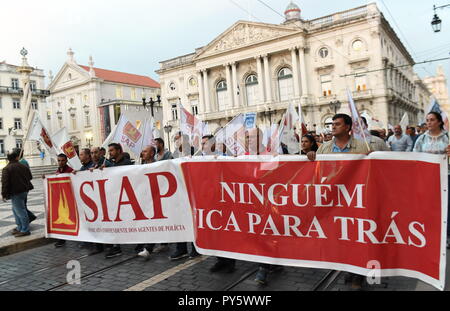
[(88, 101), (262, 67), (438, 87)]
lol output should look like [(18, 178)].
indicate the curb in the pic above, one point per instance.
[(24, 245)]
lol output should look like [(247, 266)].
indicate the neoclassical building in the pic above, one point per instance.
[(262, 67), (88, 101), (438, 87)]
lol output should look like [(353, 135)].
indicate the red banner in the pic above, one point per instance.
[(341, 212)]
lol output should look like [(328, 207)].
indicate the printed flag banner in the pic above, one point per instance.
[(284, 210), (120, 205), (38, 132), (192, 127), (129, 137), (63, 144), (289, 137), (326, 214), (359, 129), (404, 122), (233, 135)]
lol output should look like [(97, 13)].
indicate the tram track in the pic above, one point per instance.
[(94, 273)]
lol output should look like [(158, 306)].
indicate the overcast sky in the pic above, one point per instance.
[(134, 35)]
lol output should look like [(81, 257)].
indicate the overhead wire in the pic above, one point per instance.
[(245, 10)]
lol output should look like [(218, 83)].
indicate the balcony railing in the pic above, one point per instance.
[(19, 91), (179, 61), (339, 17)]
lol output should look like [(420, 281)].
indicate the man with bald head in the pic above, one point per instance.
[(98, 158), (400, 141), (148, 154)]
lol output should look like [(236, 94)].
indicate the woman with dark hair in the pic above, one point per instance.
[(434, 140), (308, 144)]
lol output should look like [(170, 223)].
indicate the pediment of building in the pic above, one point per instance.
[(243, 34), (70, 75)]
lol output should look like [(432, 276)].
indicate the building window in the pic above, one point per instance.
[(360, 81), (323, 52), (85, 99), (119, 93), (329, 124), (222, 95), (285, 84), (251, 87), (2, 147), (87, 120), (15, 83), (33, 85), (16, 103), (34, 105), (133, 93), (49, 115), (19, 143), (74, 123), (17, 124), (1, 123), (192, 82), (325, 81), (174, 112), (1, 103), (357, 45), (194, 106)]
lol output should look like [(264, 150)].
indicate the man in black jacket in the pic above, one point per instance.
[(16, 182)]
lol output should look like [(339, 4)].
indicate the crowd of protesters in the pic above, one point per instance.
[(430, 137)]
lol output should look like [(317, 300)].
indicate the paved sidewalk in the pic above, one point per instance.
[(10, 244)]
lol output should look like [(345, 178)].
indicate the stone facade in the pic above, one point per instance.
[(438, 87), (88, 101), (262, 67)]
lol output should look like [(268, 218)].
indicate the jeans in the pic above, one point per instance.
[(20, 211)]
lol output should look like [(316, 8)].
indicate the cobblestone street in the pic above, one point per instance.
[(44, 269)]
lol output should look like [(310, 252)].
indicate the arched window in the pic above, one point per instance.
[(222, 95), (251, 88), (285, 84)]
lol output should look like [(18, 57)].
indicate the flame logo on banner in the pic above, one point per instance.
[(63, 217), (63, 211)]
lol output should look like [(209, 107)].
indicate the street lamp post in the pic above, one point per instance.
[(436, 22), (168, 129), (89, 138), (151, 102), (335, 105)]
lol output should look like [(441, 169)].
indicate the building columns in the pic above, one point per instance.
[(260, 79), (201, 97), (206, 93), (267, 79), (229, 86), (235, 86), (303, 73), (295, 72)]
